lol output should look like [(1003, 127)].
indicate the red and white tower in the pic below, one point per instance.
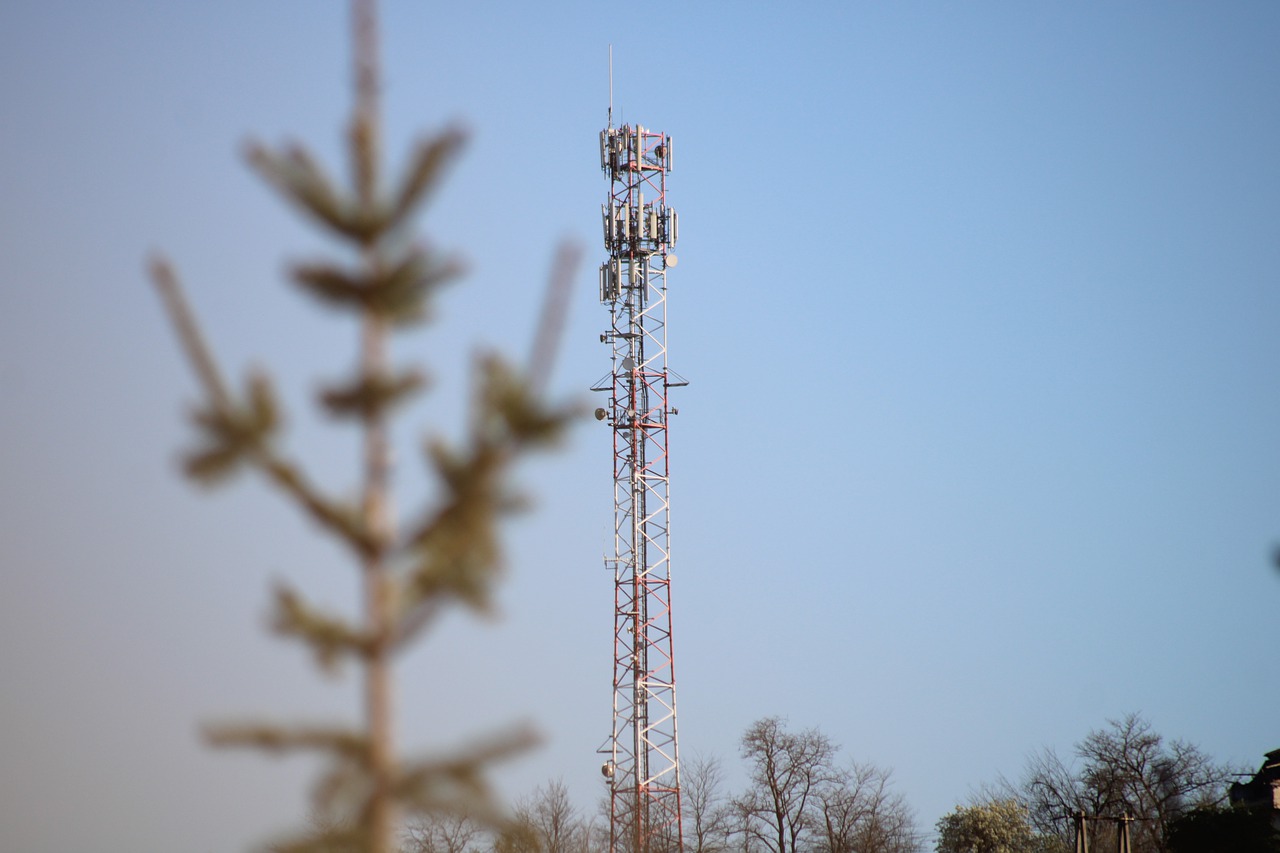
[(642, 769)]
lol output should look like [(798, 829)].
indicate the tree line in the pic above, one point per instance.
[(1125, 779), (801, 796)]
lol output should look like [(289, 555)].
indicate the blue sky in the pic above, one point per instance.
[(978, 306)]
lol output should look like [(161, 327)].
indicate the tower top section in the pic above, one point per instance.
[(639, 226), (628, 149)]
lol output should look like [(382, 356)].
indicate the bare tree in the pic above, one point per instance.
[(800, 801), (594, 837), (446, 554), (787, 772), (1051, 790), (552, 819), (707, 815), (860, 814), (1125, 768), (445, 833)]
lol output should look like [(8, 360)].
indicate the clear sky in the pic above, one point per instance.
[(981, 448)]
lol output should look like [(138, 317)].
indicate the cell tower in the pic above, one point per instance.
[(642, 770)]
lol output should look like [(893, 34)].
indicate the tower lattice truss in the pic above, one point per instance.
[(642, 769)]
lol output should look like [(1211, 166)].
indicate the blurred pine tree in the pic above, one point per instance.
[(448, 553)]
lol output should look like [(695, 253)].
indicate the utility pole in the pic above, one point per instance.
[(1123, 843)]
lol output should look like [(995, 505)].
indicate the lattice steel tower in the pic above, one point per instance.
[(642, 769)]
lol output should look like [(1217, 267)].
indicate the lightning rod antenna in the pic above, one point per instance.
[(611, 87)]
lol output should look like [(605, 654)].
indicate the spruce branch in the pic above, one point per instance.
[(365, 140), (331, 638), (398, 292), (455, 549), (344, 839), (427, 164), (372, 395), (239, 432), (555, 307), (234, 431), (339, 742), (342, 519), (189, 337), (300, 180), (456, 784)]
